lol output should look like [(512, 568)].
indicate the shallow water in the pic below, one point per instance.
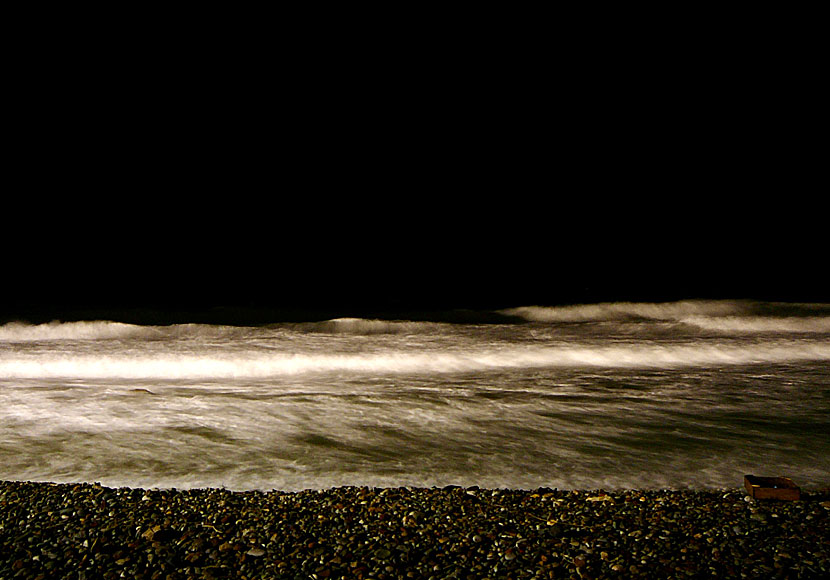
[(690, 394)]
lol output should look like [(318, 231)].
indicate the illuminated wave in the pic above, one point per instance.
[(741, 316), (749, 324), (612, 311), (263, 365), (83, 330), (368, 326), (105, 330)]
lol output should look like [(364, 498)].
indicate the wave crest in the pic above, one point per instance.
[(83, 330), (712, 315), (195, 366), (368, 326), (613, 311), (751, 324)]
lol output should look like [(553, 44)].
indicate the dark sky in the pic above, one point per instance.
[(360, 262), (410, 179), (354, 232)]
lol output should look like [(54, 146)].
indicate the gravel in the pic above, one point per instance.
[(87, 531)]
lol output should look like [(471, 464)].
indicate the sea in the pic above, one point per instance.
[(683, 395)]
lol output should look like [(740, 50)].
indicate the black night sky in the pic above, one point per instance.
[(402, 181), (391, 263)]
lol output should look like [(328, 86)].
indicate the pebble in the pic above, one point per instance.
[(90, 531)]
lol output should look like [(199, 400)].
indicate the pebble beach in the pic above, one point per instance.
[(86, 531)]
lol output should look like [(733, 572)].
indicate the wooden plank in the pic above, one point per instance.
[(781, 488)]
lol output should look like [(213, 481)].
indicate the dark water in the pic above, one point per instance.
[(688, 394)]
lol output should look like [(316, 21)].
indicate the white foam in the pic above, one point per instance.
[(752, 324), (369, 326), (105, 330), (626, 310), (254, 364), (83, 330)]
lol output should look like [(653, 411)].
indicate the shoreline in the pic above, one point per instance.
[(86, 531)]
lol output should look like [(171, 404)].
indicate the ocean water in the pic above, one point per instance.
[(674, 395)]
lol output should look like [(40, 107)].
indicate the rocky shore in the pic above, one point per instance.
[(86, 531)]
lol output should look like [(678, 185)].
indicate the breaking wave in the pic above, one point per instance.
[(83, 330), (751, 324), (715, 315), (612, 311), (108, 330), (368, 326), (262, 365)]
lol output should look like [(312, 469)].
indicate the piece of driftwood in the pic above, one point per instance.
[(771, 488)]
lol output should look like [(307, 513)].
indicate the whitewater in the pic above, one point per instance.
[(691, 394)]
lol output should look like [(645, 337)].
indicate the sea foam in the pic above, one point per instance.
[(82, 330), (187, 366)]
